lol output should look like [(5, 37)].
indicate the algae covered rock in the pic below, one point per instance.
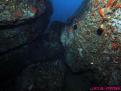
[(96, 42), (14, 12), (16, 31)]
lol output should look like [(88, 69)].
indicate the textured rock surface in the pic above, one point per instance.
[(46, 76), (13, 12), (15, 36), (21, 45), (85, 49), (91, 59)]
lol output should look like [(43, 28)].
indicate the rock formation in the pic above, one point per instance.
[(93, 42), (20, 36)]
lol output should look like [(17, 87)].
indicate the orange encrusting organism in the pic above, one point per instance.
[(117, 6), (110, 3), (107, 6), (101, 12)]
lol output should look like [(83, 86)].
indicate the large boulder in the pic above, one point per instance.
[(18, 33), (20, 37), (93, 42)]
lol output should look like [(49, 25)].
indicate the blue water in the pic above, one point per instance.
[(63, 9)]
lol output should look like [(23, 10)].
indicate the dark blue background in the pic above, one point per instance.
[(64, 8)]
